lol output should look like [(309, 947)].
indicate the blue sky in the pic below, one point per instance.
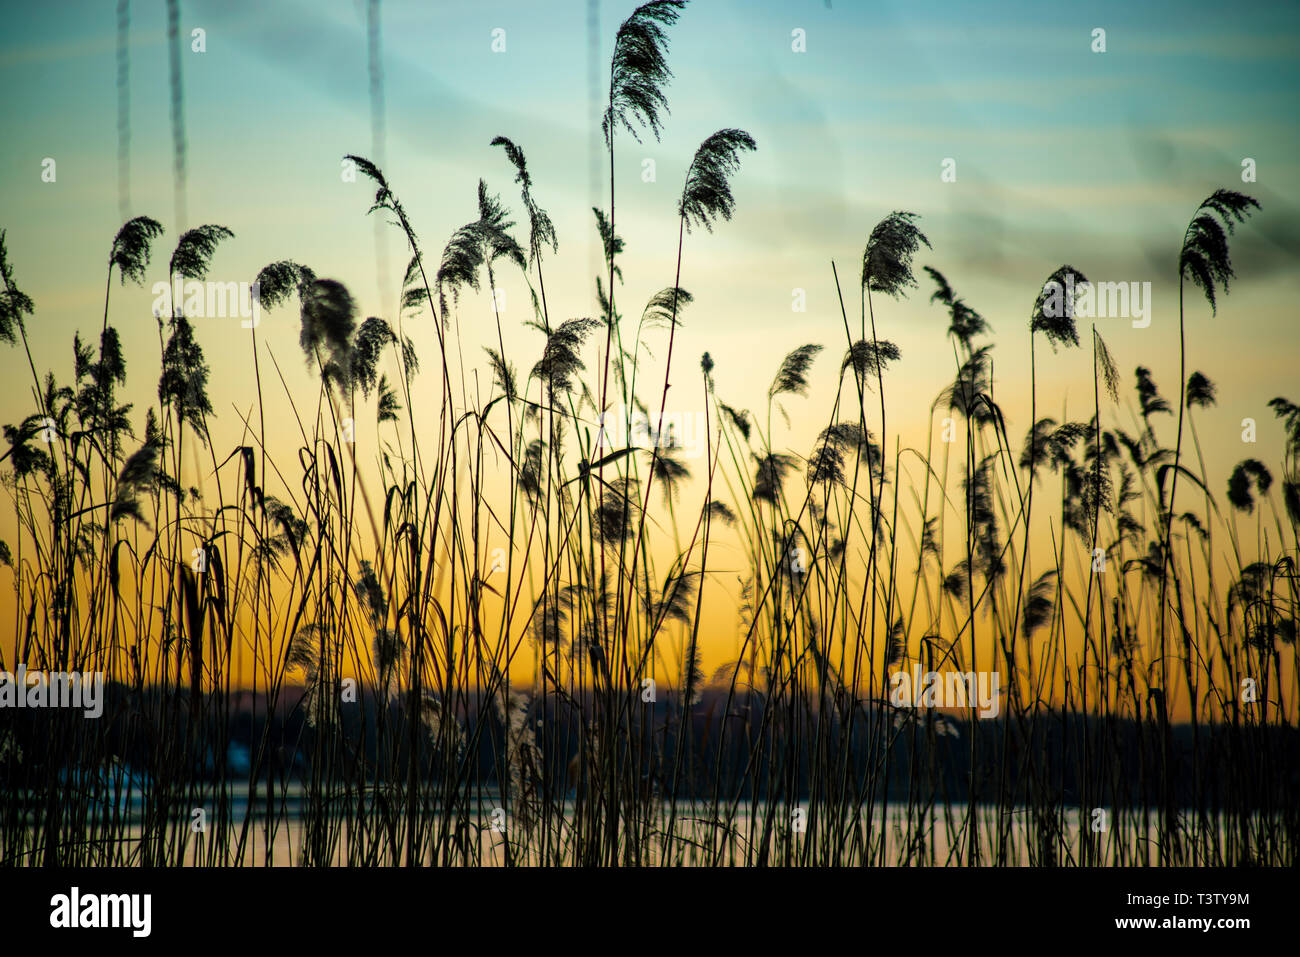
[(1062, 155)]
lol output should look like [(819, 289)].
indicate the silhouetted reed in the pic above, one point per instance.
[(313, 645)]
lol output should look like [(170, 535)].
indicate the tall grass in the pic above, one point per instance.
[(380, 585)]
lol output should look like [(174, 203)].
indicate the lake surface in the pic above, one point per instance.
[(692, 834)]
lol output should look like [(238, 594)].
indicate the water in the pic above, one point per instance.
[(696, 834)]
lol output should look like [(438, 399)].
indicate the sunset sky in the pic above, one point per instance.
[(1062, 155)]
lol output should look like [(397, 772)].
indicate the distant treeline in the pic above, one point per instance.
[(923, 755)]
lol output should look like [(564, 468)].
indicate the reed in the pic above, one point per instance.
[(357, 579)]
